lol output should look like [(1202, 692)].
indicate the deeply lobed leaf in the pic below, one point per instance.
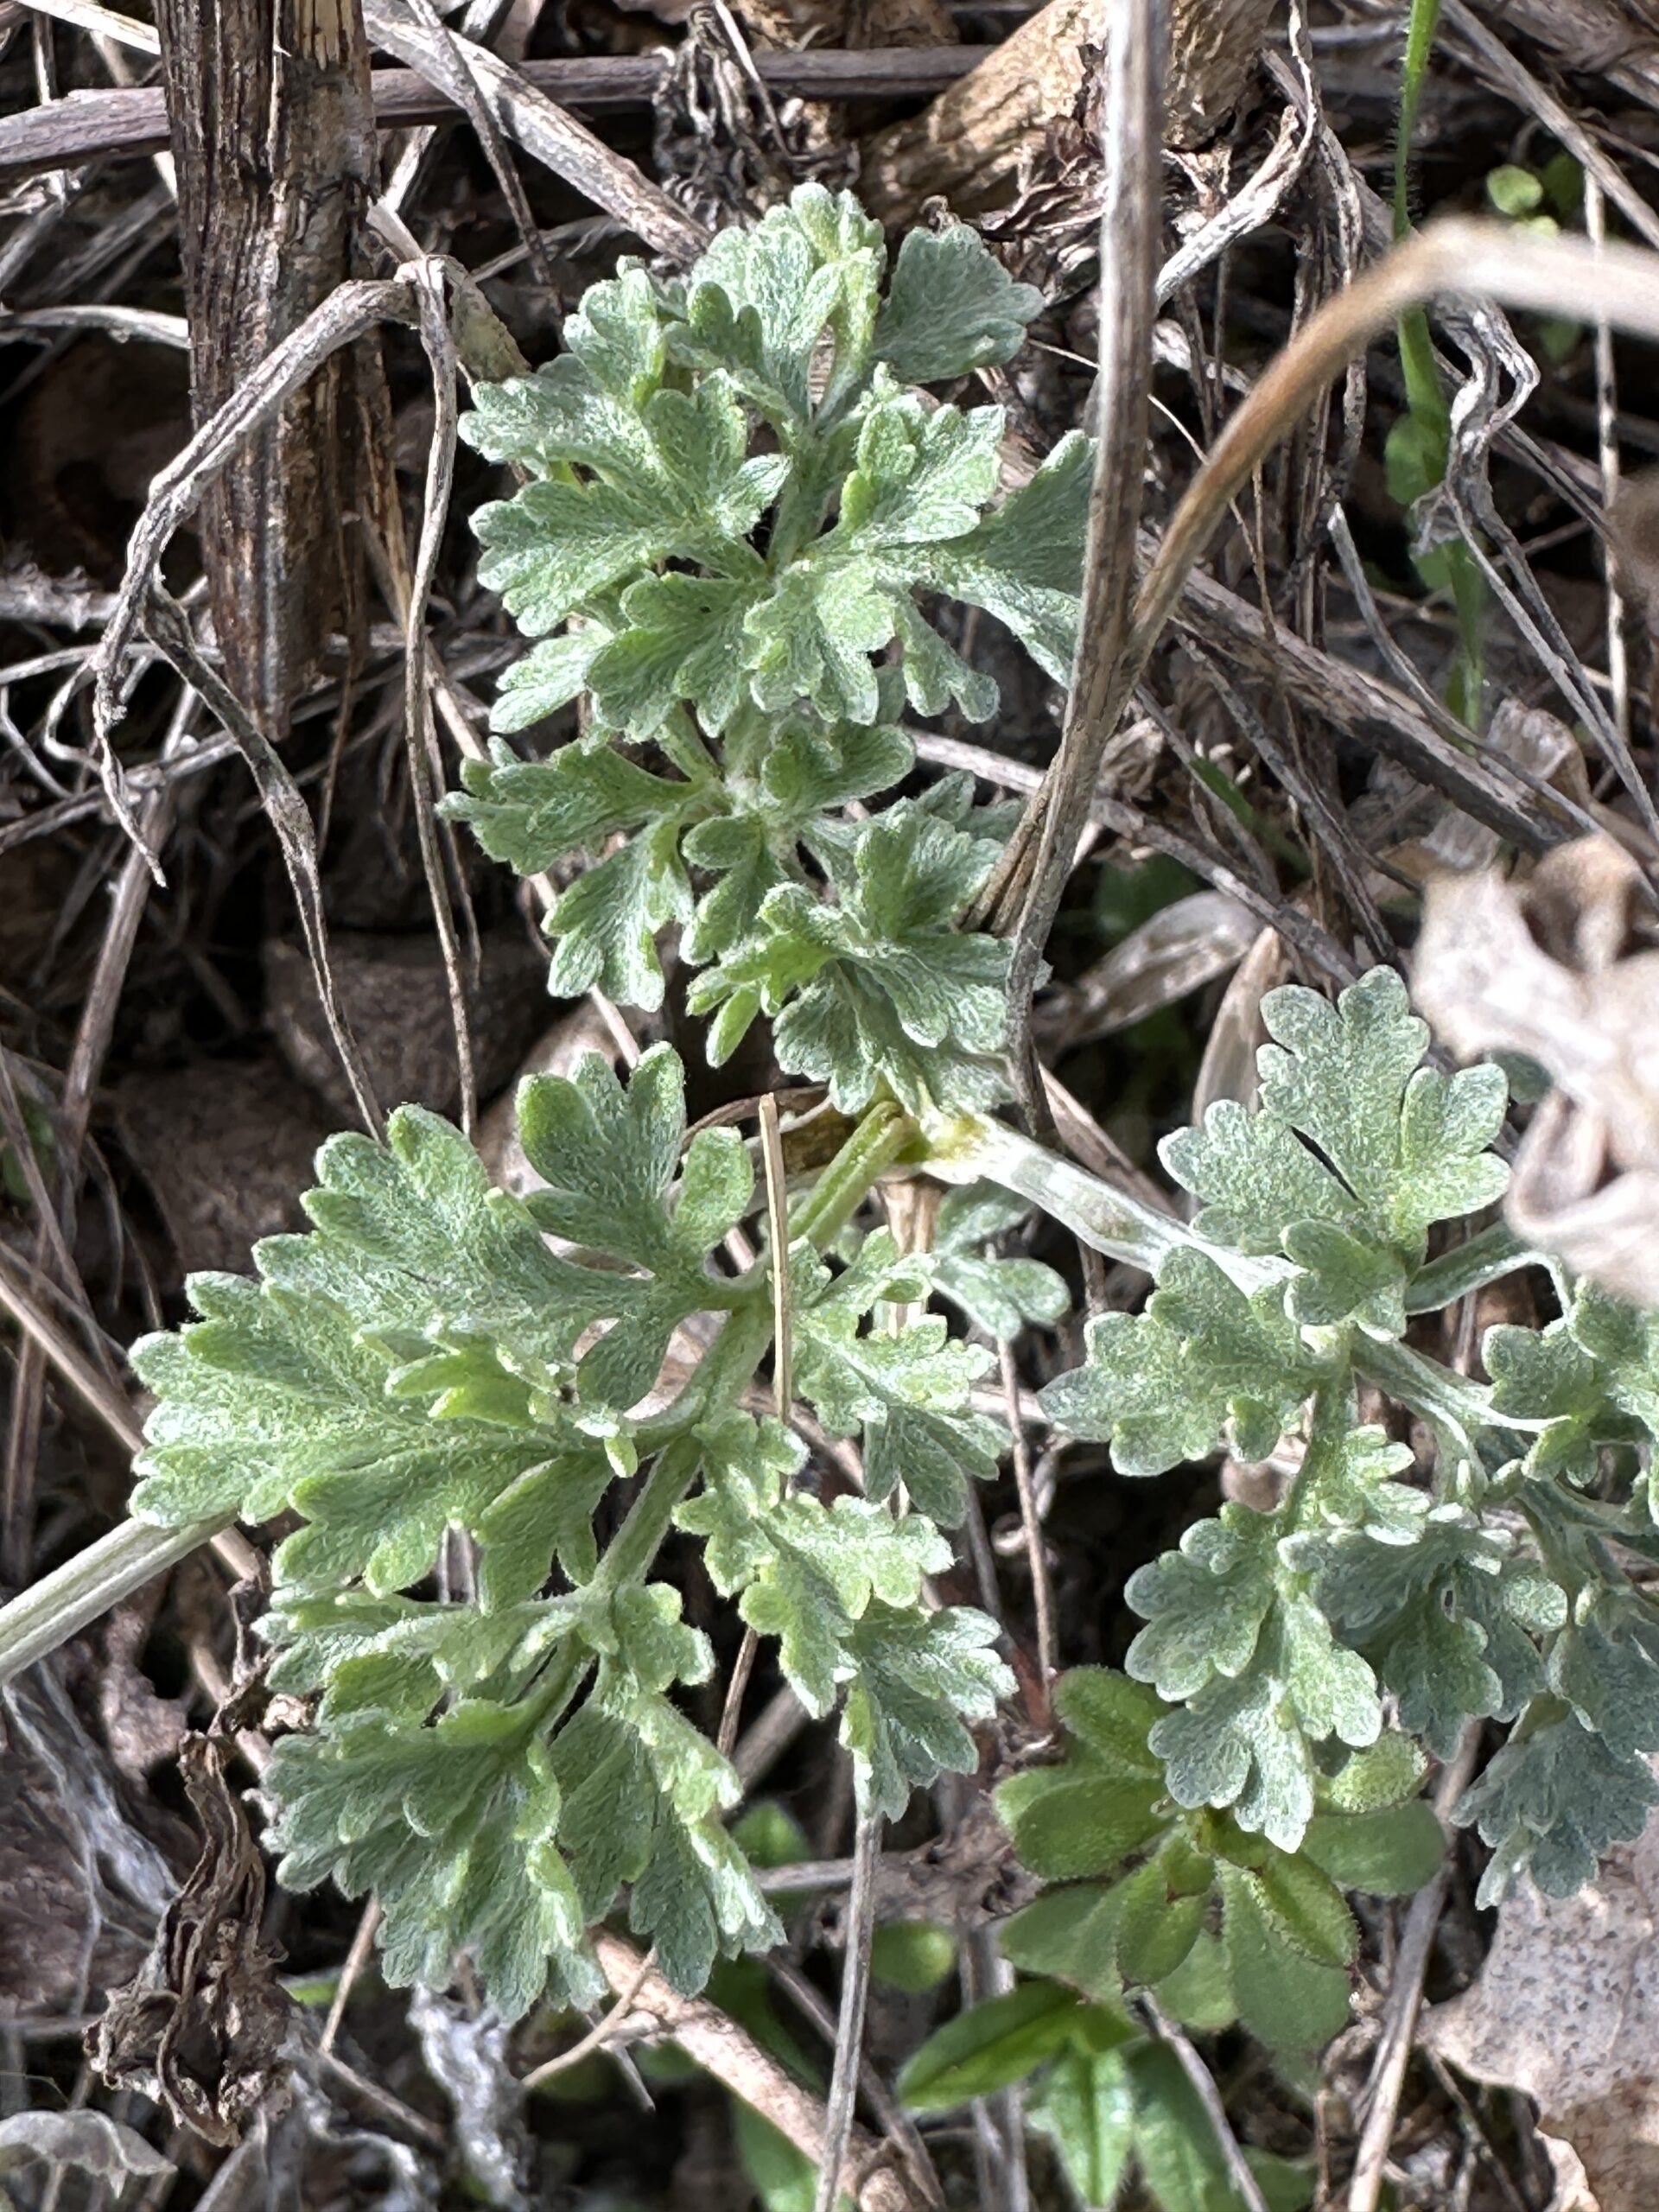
[(883, 987), (1204, 1360), (738, 510), (1356, 1152), (638, 441)]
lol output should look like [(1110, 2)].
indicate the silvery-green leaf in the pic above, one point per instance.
[(999, 1294), (1164, 1386), (533, 813), (1023, 562), (803, 1572), (1409, 1143), (950, 307), (920, 1678), (870, 990), (1550, 1803), (906, 1394)]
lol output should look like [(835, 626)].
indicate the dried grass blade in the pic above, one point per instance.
[(289, 818), (1024, 900), (546, 130)]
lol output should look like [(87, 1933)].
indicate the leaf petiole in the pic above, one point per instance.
[(880, 1141), (61, 1604), (971, 1149)]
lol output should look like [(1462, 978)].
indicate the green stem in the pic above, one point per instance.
[(1331, 1419), (547, 1699), (1424, 394), (1260, 826), (719, 1381), (1496, 1251), (1457, 1408), (878, 1142), (633, 1547), (683, 744), (1422, 26), (61, 1604), (639, 1538), (722, 1374)]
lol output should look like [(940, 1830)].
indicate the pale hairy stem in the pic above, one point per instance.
[(1098, 1213), (971, 1149), (61, 1604), (1450, 1402), (1496, 1252)]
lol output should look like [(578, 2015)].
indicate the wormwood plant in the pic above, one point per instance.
[(1264, 1749), (735, 499), (499, 1420), (1281, 1642)]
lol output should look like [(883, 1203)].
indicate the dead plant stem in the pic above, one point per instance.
[(728, 2052), (849, 2024), (1405, 1998), (1457, 258)]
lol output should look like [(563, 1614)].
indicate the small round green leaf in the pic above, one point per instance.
[(1386, 1855)]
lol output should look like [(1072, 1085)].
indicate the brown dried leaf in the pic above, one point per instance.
[(141, 1728), (1635, 525), (1537, 740), (1236, 1034), (1541, 968), (200, 2027), (967, 1879), (74, 1880), (1567, 2008)]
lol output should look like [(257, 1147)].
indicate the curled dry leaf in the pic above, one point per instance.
[(466, 2054), (1567, 2010), (1177, 950), (140, 1727), (1537, 741), (967, 1879), (200, 2026), (99, 2145), (1542, 968), (1236, 1034), (1635, 525)]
